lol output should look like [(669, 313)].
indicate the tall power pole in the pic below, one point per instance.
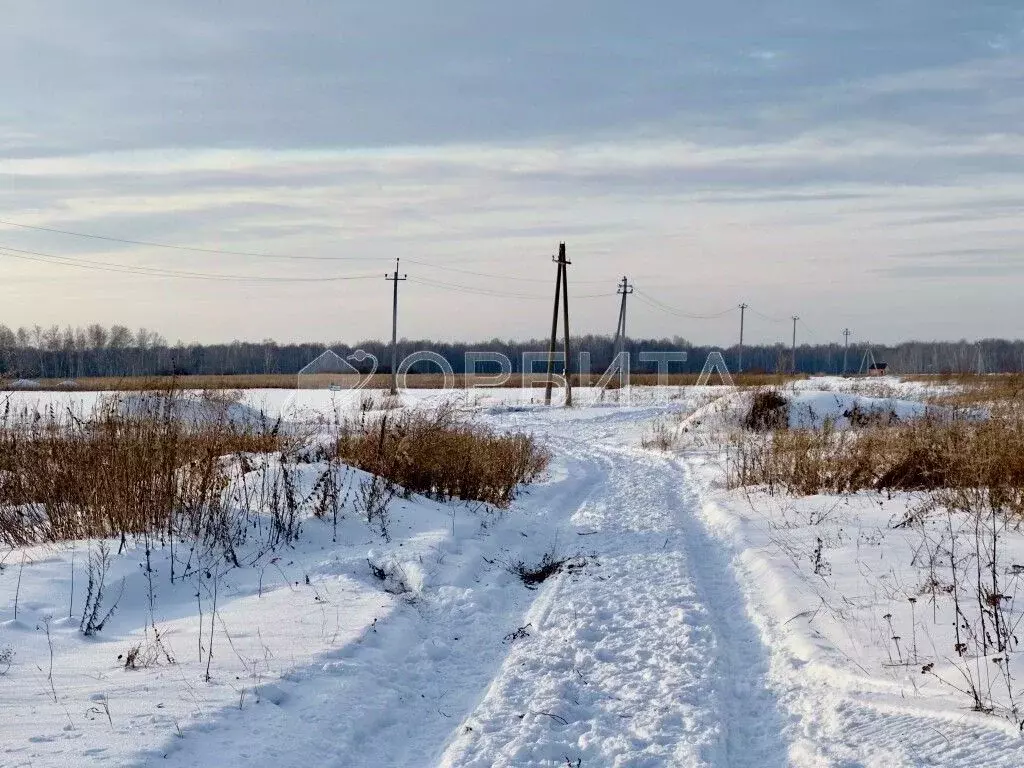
[(793, 360), (396, 279), (739, 363), (620, 330), (561, 294), (565, 322), (846, 347)]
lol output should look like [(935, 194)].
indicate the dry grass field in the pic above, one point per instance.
[(974, 440), (323, 381), (1000, 390), (169, 463)]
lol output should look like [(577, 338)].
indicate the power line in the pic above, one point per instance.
[(193, 249), (260, 255), (476, 273), (458, 288), (811, 334), (653, 302), (472, 289), (769, 318), (81, 263)]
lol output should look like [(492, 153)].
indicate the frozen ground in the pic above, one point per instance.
[(698, 630)]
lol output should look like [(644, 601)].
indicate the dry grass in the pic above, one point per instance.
[(174, 466), (442, 456), (377, 381), (1000, 391), (118, 474), (926, 454)]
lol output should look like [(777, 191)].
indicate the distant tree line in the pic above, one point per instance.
[(96, 350)]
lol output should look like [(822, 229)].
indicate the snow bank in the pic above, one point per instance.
[(25, 384), (813, 408), (191, 408)]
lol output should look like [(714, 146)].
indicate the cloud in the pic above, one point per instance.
[(721, 152)]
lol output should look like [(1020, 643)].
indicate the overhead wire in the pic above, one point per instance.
[(473, 289), (264, 255), (477, 273), (83, 263), (657, 304), (807, 328), (191, 248), (769, 318), (86, 263)]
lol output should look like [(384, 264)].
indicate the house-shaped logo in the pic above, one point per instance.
[(331, 371)]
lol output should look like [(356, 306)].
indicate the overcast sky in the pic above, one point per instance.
[(859, 164)]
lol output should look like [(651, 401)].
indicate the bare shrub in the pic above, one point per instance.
[(660, 438), (93, 617), (140, 656), (439, 455), (769, 410)]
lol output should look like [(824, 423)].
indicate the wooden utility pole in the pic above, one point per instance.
[(396, 279), (619, 345), (793, 357), (739, 363), (561, 294), (846, 347)]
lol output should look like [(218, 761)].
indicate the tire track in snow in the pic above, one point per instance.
[(749, 709), (646, 659)]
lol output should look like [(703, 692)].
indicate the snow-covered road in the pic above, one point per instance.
[(654, 654), (646, 659)]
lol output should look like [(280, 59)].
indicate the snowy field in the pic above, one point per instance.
[(698, 626)]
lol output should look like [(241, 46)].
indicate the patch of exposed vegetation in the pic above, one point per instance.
[(919, 455), (769, 410), (443, 456)]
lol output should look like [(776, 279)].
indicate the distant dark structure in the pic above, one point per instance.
[(877, 369)]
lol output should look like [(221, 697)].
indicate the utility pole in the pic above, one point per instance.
[(846, 347), (565, 322), (743, 311), (793, 361), (561, 293), (396, 279), (620, 330)]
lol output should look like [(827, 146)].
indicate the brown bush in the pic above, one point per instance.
[(769, 410), (439, 455)]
